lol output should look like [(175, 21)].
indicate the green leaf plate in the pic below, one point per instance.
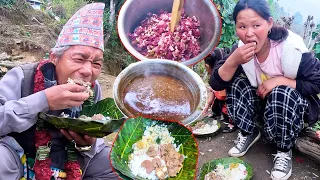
[(210, 166), (132, 131), (209, 121), (93, 128)]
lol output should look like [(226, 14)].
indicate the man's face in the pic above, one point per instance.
[(79, 62)]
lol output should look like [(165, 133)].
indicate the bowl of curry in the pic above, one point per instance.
[(160, 89)]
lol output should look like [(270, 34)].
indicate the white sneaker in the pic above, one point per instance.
[(282, 168), (243, 144)]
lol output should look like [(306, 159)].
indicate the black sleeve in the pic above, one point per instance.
[(216, 82), (308, 77)]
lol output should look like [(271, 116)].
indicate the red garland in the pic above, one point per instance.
[(42, 168), (73, 170), (42, 138)]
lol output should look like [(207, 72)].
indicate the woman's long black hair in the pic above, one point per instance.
[(261, 7)]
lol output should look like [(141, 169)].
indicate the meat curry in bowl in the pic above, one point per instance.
[(160, 89)]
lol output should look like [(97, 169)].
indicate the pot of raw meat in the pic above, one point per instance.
[(143, 27)]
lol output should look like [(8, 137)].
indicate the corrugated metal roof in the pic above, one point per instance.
[(37, 1)]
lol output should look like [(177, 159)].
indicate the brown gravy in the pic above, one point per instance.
[(159, 97)]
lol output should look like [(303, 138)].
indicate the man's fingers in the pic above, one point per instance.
[(80, 96), (71, 104), (74, 87), (90, 140), (66, 134), (78, 138)]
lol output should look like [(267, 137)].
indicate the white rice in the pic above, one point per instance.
[(149, 138), (236, 173), (207, 129)]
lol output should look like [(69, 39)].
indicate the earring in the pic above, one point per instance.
[(269, 32)]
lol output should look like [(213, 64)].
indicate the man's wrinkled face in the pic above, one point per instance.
[(78, 62)]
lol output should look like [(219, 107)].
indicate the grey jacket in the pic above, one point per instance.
[(18, 114)]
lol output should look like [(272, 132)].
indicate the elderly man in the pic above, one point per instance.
[(25, 91)]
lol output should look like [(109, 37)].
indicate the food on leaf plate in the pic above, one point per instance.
[(97, 120), (156, 155), (226, 169), (234, 171), (155, 150)]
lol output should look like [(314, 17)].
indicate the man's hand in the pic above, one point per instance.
[(266, 87), (66, 96), (80, 140)]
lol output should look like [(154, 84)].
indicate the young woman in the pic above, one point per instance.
[(270, 77)]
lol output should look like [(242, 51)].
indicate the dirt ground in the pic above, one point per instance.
[(259, 156)]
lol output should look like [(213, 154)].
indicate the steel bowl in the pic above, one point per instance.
[(166, 67), (134, 11)]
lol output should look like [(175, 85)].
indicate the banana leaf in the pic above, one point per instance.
[(94, 128), (210, 166), (132, 131)]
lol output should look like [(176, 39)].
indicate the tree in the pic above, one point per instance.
[(225, 8), (70, 6)]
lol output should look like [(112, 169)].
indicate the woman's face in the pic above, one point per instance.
[(251, 27)]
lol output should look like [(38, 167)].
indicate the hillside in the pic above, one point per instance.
[(25, 34)]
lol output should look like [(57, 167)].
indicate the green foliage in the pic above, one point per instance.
[(132, 131), (316, 37), (71, 6), (316, 126), (7, 3), (228, 37), (28, 34), (210, 166)]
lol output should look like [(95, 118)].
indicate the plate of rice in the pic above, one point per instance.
[(154, 149), (226, 169), (205, 127)]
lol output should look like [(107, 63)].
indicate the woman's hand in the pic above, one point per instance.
[(242, 54), (65, 96), (266, 87)]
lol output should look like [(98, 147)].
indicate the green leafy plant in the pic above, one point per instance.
[(316, 126), (225, 8), (132, 131), (94, 128), (210, 166), (7, 3), (316, 37)]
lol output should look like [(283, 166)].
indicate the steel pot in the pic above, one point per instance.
[(134, 11), (167, 67)]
